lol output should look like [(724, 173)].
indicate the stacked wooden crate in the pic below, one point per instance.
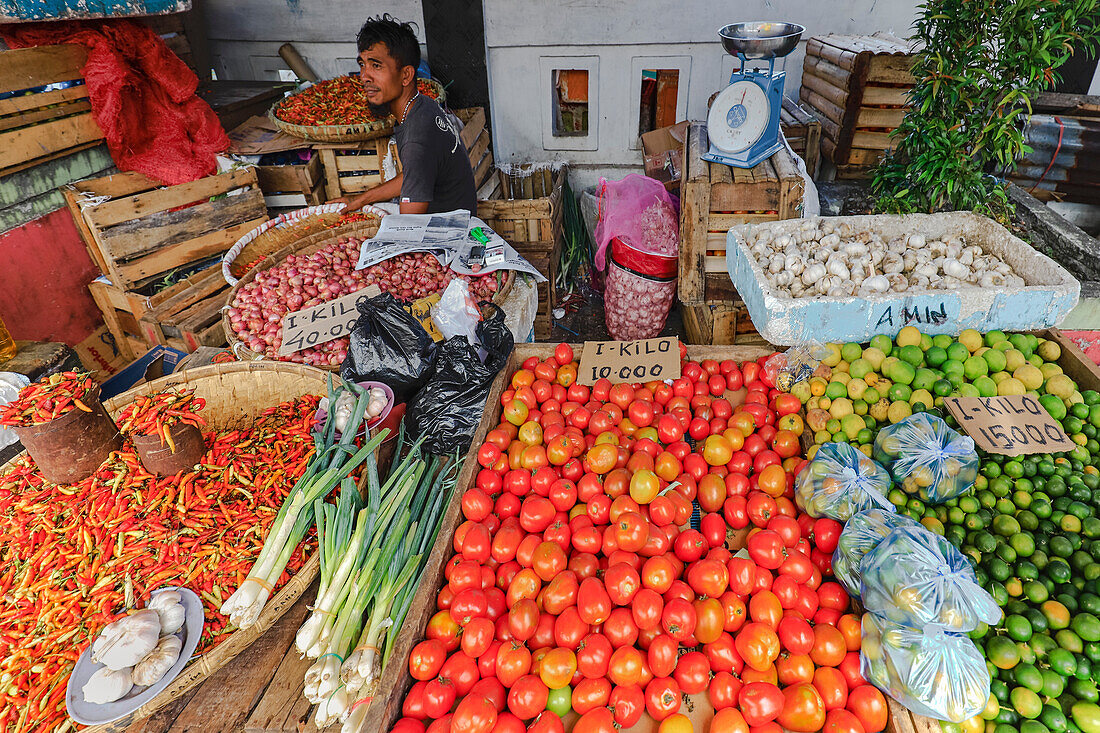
[(1064, 161), (352, 168), (138, 233), (293, 185), (858, 87), (525, 209), (36, 125), (475, 136), (188, 315), (803, 133), (713, 198)]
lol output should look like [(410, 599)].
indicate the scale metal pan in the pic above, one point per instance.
[(760, 39)]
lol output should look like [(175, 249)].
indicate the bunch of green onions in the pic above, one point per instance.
[(371, 549), (333, 461)]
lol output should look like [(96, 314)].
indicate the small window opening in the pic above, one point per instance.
[(570, 89), (657, 102)]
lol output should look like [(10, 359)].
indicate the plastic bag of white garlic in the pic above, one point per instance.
[(635, 306), (836, 260)]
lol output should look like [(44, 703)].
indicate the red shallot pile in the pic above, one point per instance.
[(303, 281)]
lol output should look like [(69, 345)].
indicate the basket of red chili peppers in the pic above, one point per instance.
[(337, 111), (61, 423), (165, 429)]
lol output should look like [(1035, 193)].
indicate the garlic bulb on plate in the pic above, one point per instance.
[(169, 608), (156, 663), (107, 685), (124, 642)]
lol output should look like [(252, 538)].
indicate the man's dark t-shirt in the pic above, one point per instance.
[(434, 161)]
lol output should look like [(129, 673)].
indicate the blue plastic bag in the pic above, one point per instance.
[(861, 534), (935, 673), (917, 578), (841, 481), (927, 459)]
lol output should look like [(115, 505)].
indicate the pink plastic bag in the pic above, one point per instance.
[(639, 224), (639, 211)]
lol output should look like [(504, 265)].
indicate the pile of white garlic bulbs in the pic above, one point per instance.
[(136, 650), (833, 259), (345, 406)]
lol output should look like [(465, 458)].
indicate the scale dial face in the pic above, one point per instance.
[(738, 116)]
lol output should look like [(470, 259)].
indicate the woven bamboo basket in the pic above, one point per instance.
[(357, 133), (280, 232), (308, 246), (235, 393)]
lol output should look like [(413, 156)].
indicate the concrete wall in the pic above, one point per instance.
[(245, 35), (526, 39), (616, 39)]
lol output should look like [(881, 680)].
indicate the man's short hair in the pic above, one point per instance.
[(399, 39)]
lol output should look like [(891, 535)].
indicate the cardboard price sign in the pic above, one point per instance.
[(1009, 426), (630, 361), (325, 322)]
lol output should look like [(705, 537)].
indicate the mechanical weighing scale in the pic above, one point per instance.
[(743, 122)]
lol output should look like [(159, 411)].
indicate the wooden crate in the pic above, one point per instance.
[(134, 319), (857, 86), (395, 680), (42, 126), (715, 197), (803, 132), (122, 312), (475, 136), (294, 185), (527, 213), (189, 314), (902, 720), (719, 324), (355, 167), (140, 230)]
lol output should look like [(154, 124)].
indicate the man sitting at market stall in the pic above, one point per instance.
[(436, 174)]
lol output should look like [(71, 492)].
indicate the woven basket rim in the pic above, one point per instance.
[(285, 220), (242, 352), (354, 132)]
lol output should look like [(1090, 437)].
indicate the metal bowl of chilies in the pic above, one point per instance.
[(164, 459), (71, 447)]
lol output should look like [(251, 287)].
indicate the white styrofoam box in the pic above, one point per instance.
[(1049, 294)]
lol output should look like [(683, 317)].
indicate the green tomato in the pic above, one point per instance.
[(560, 701)]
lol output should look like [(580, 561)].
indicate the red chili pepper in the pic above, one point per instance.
[(67, 552), (338, 101)]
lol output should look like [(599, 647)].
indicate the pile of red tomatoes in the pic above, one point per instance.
[(580, 599)]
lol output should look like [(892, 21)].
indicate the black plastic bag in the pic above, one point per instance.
[(389, 345), (451, 404)]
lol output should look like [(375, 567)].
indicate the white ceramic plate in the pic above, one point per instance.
[(87, 713)]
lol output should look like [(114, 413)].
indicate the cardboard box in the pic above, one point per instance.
[(100, 354), (664, 153)]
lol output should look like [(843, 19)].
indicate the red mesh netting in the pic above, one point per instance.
[(142, 96)]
